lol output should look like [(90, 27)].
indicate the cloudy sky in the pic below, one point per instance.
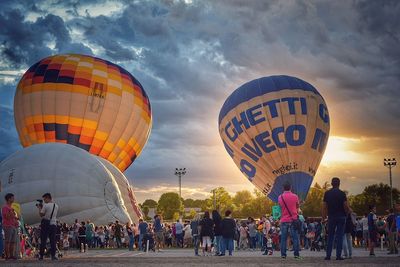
[(190, 55)]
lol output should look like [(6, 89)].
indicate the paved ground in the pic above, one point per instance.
[(185, 257)]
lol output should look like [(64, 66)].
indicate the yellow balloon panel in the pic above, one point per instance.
[(86, 102), (276, 129)]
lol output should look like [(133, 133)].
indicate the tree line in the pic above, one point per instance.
[(254, 204)]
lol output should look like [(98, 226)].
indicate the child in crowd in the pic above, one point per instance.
[(269, 250), (65, 244)]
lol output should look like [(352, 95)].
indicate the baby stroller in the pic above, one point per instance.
[(317, 243), (150, 238), (47, 251)]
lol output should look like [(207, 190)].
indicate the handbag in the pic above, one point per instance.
[(295, 222), (46, 222)]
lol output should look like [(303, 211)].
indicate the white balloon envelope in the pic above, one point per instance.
[(126, 190), (79, 183)]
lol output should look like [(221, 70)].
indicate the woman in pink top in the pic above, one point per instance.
[(289, 204), (10, 225)]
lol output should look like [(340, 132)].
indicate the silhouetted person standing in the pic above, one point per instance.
[(336, 207)]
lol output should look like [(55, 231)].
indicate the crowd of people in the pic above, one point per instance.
[(210, 233)]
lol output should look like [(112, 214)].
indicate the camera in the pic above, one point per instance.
[(39, 203)]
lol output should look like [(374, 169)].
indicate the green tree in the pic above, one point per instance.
[(312, 206), (260, 205), (146, 210), (242, 200), (192, 214), (169, 204), (378, 195), (175, 216), (358, 204), (223, 200), (150, 203), (189, 203)]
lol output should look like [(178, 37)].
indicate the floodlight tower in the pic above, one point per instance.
[(390, 163), (180, 172)]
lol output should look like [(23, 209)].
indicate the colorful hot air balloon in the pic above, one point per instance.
[(276, 129), (84, 101)]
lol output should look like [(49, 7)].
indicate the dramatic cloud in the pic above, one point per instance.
[(190, 55)]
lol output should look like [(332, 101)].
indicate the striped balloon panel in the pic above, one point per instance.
[(86, 102)]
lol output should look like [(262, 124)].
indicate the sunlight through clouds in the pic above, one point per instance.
[(338, 151)]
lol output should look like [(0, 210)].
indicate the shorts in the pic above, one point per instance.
[(159, 236), (206, 242), (365, 234), (373, 236), (359, 234), (10, 234)]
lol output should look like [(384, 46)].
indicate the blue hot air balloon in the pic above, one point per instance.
[(276, 129)]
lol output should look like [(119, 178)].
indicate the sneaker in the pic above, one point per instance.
[(54, 259), (339, 258), (327, 258), (372, 255), (283, 257), (298, 257)]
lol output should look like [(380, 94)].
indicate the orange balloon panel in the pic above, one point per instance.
[(84, 101)]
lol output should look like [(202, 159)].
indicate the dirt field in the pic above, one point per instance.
[(185, 257)]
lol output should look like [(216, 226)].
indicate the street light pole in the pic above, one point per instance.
[(180, 172), (214, 200), (390, 163)]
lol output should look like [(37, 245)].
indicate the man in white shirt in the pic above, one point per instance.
[(48, 226)]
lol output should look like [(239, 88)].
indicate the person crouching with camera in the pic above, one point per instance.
[(48, 211)]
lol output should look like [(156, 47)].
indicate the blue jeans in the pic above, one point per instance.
[(218, 241), (196, 244), (179, 240), (347, 245), (260, 239), (1, 241), (253, 242), (306, 242), (141, 242), (131, 242), (227, 244), (335, 230), (286, 228)]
